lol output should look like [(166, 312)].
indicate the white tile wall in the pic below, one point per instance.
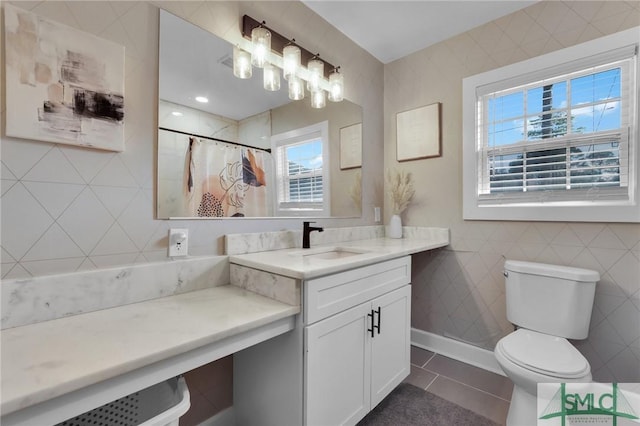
[(459, 292), (68, 208)]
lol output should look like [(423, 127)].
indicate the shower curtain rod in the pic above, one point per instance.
[(215, 139)]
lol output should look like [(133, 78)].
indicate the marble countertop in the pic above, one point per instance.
[(44, 360), (302, 264)]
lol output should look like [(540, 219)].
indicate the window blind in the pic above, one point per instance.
[(300, 174), (562, 138)]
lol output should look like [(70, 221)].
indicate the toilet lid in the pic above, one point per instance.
[(545, 354)]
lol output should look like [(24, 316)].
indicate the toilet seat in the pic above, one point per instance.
[(544, 354)]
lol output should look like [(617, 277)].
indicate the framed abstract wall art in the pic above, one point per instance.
[(63, 85), (418, 133)]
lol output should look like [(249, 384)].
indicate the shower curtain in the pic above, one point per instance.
[(224, 180)]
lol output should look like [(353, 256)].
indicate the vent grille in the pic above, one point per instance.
[(226, 60)]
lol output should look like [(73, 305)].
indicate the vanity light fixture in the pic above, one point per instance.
[(296, 88), (271, 77), (318, 99), (336, 86), (290, 59), (272, 52), (260, 45), (241, 63), (316, 73)]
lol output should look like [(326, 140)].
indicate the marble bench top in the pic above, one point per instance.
[(44, 360)]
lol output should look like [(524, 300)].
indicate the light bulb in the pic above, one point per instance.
[(336, 86), (241, 63), (316, 73), (271, 78), (318, 99), (261, 42), (296, 88), (290, 60)]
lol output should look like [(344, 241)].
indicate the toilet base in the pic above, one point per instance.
[(523, 408)]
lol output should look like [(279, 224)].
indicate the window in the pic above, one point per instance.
[(302, 171), (546, 137)]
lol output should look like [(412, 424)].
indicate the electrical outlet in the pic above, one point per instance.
[(178, 242), (376, 214)]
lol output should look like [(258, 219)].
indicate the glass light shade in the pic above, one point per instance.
[(261, 43), (271, 78), (290, 60), (316, 73), (296, 88), (318, 99), (336, 87), (241, 63)]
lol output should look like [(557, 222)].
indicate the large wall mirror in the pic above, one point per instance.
[(247, 152)]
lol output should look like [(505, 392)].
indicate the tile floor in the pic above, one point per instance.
[(478, 390)]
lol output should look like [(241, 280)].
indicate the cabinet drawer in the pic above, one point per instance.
[(326, 296)]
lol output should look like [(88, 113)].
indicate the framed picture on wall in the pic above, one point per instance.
[(418, 133), (63, 85), (351, 146)]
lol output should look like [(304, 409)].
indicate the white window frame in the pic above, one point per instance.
[(588, 210), (318, 130)]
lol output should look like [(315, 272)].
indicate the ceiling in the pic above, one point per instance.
[(390, 30)]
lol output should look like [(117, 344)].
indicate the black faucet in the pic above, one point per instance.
[(307, 229)]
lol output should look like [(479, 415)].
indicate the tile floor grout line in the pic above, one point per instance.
[(468, 385), (432, 380), (433, 354)]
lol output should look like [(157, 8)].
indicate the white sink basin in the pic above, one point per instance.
[(329, 253)]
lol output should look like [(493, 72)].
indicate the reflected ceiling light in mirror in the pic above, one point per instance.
[(176, 113), (202, 99), (296, 88), (274, 51), (336, 86), (271, 77), (260, 45), (241, 63), (290, 59)]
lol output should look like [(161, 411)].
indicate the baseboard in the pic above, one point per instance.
[(226, 417), (455, 349)]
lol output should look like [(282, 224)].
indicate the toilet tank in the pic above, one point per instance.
[(551, 299)]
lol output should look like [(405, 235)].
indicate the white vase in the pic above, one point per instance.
[(395, 227)]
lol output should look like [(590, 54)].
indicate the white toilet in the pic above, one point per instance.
[(548, 304)]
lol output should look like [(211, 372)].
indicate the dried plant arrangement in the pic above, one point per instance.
[(400, 189)]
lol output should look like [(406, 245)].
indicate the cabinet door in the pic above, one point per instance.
[(391, 345), (337, 368)]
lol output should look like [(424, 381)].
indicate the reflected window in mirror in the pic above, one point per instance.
[(302, 178)]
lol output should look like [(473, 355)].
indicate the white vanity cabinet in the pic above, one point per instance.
[(350, 349), (355, 358)]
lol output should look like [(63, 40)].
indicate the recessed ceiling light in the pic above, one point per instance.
[(177, 113), (202, 99)]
